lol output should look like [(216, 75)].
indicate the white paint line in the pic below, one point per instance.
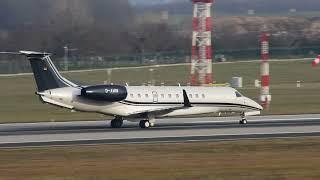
[(156, 66)]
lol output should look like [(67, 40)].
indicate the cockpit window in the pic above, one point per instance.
[(238, 94)]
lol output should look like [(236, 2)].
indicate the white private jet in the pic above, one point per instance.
[(142, 104)]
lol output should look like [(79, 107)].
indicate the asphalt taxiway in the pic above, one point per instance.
[(166, 130)]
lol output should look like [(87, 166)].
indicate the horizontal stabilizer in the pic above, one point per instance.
[(27, 53), (11, 53)]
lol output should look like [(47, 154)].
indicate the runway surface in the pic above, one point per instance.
[(167, 130)]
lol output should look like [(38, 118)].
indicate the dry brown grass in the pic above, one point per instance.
[(17, 94), (263, 159)]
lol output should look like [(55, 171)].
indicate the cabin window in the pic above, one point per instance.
[(162, 96), (170, 95), (131, 95), (139, 95), (190, 95), (177, 96), (238, 94), (203, 96), (197, 95), (147, 95)]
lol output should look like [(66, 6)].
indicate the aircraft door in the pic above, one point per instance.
[(155, 97)]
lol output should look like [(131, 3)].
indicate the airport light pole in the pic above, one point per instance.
[(201, 59), (265, 97), (316, 61), (66, 58), (152, 80), (67, 50)]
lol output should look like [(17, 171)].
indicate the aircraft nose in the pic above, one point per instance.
[(259, 106), (254, 104)]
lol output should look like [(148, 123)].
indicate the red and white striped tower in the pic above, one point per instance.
[(265, 97), (316, 61), (201, 59)]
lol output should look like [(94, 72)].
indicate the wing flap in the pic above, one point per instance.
[(157, 110)]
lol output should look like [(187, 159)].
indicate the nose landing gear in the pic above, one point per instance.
[(243, 119)]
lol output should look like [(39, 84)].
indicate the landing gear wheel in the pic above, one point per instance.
[(152, 124), (243, 121), (116, 123), (144, 124)]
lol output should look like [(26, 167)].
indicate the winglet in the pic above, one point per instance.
[(186, 100)]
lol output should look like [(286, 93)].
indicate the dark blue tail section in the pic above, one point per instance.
[(46, 74)]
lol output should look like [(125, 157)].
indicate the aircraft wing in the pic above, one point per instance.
[(156, 111), (186, 104)]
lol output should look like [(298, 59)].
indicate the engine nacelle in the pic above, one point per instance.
[(109, 93)]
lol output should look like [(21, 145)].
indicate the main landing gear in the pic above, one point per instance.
[(243, 119), (144, 124), (117, 122)]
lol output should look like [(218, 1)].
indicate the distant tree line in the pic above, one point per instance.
[(237, 7), (101, 27)]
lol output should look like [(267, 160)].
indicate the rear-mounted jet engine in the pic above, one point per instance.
[(109, 93)]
